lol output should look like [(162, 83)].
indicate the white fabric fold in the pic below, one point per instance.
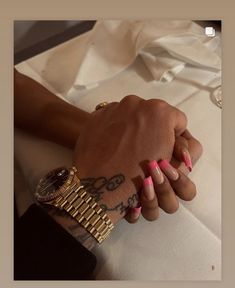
[(112, 45), (164, 45)]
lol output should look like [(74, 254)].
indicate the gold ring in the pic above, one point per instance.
[(101, 105)]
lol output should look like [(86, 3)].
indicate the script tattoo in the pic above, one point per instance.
[(97, 186), (121, 207)]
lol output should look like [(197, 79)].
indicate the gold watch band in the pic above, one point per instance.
[(82, 207)]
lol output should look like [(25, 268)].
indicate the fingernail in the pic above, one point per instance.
[(157, 171), (187, 159), (169, 170), (148, 188), (136, 212)]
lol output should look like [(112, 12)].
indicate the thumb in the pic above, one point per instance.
[(181, 152)]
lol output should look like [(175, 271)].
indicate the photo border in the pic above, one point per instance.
[(110, 9)]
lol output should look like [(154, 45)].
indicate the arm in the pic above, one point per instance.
[(47, 111), (42, 113)]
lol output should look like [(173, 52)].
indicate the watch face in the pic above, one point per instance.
[(48, 186)]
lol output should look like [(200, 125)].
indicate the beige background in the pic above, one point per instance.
[(72, 10)]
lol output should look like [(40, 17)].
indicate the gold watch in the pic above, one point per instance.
[(62, 188)]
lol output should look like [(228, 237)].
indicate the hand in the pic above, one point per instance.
[(117, 142), (165, 193)]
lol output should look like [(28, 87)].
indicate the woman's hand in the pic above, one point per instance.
[(187, 151)]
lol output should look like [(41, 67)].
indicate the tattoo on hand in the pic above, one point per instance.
[(121, 207), (97, 186)]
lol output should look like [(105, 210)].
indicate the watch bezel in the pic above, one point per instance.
[(55, 194)]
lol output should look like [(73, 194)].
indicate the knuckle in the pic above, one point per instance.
[(159, 105), (172, 209), (130, 98), (153, 216), (160, 109), (151, 212), (192, 192)]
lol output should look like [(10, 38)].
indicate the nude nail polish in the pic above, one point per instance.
[(154, 167), (187, 159), (148, 188), (169, 170)]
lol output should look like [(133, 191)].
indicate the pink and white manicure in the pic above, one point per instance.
[(187, 160), (148, 188), (157, 173), (169, 170)]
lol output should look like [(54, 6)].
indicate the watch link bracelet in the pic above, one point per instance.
[(62, 188)]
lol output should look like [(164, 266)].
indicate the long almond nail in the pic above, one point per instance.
[(148, 188), (169, 170), (156, 171), (187, 159)]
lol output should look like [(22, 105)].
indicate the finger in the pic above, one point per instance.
[(148, 200), (194, 147), (184, 188), (180, 122), (133, 215), (108, 107), (181, 152), (195, 150), (167, 199), (187, 135)]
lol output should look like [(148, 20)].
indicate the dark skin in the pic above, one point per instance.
[(53, 119), (49, 117)]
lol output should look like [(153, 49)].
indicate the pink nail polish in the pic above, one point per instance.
[(155, 169), (148, 181), (169, 170), (187, 160), (148, 188), (137, 209), (153, 164), (136, 212)]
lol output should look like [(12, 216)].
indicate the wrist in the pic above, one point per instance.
[(74, 206), (114, 192)]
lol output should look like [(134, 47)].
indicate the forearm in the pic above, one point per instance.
[(40, 112)]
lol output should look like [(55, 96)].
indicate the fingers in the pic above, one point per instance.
[(181, 152), (167, 199), (148, 200), (149, 204), (183, 187), (133, 215), (194, 147), (170, 182), (160, 190), (187, 149)]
